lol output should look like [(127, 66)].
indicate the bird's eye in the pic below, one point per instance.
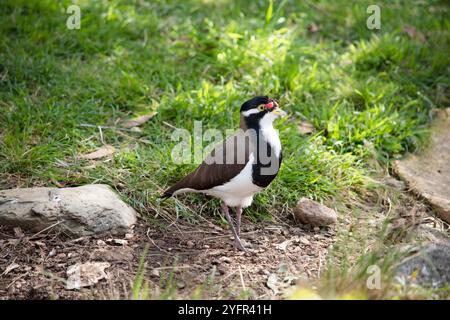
[(261, 107)]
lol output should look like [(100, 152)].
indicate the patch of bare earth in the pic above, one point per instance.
[(34, 267)]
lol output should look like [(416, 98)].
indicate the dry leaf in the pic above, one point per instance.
[(10, 268), (313, 28), (305, 127), (413, 33), (139, 120), (18, 232), (283, 246), (272, 283), (86, 274), (104, 151)]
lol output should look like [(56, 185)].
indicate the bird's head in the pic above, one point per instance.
[(260, 111)]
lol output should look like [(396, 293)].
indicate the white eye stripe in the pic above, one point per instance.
[(249, 112)]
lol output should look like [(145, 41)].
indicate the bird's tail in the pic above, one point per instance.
[(166, 195)]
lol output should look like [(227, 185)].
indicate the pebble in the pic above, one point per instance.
[(120, 242), (304, 240), (154, 273), (52, 252), (190, 244), (263, 272), (225, 259)]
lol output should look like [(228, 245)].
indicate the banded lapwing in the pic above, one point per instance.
[(241, 165)]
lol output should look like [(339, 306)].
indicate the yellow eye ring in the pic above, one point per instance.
[(261, 107)]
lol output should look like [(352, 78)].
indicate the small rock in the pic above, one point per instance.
[(225, 259), (206, 246), (190, 244), (311, 212), (181, 285), (129, 236), (101, 243), (221, 269), (154, 273), (120, 242), (52, 252), (39, 243), (71, 254), (304, 240), (263, 272), (86, 274)]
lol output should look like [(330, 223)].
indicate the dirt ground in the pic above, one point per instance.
[(179, 262)]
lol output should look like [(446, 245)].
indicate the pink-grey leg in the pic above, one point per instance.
[(238, 220), (237, 240)]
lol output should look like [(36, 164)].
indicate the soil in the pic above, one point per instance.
[(178, 264)]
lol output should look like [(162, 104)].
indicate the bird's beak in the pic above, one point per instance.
[(279, 112)]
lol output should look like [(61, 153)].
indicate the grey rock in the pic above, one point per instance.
[(308, 211), (429, 267), (428, 173), (79, 211)]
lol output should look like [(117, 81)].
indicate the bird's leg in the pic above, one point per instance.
[(237, 241), (238, 220)]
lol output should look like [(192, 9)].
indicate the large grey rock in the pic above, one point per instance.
[(80, 211), (428, 173), (308, 211), (429, 267)]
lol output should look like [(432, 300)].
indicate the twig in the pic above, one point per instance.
[(130, 137), (45, 229), (320, 265), (101, 135), (229, 275), (228, 235), (175, 267), (169, 125), (242, 279), (103, 127), (153, 242)]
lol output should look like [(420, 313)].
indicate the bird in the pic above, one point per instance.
[(242, 165)]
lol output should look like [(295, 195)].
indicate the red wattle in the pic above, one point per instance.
[(269, 105)]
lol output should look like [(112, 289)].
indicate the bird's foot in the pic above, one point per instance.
[(242, 245), (238, 245)]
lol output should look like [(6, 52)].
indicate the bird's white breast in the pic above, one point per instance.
[(270, 134), (238, 191)]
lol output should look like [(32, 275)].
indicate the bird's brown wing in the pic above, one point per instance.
[(216, 170)]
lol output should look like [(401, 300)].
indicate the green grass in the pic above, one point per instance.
[(367, 92)]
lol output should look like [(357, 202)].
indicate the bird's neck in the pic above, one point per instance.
[(265, 133)]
